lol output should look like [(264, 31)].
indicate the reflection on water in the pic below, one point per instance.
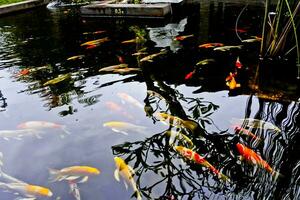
[(57, 110)]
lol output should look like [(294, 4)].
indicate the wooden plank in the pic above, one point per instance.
[(126, 10)]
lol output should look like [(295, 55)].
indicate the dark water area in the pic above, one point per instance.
[(40, 41)]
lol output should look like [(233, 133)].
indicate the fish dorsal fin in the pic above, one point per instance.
[(117, 175)]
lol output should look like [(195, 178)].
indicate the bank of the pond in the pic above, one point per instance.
[(8, 6)]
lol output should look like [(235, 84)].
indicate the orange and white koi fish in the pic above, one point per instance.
[(91, 46), (238, 63), (253, 39), (113, 67), (190, 75), (96, 42), (115, 107), (195, 157), (210, 45), (126, 97), (231, 82), (77, 174), (255, 123), (176, 121), (183, 37), (38, 125), (244, 131), (27, 190), (253, 158), (127, 173), (124, 127), (78, 57)]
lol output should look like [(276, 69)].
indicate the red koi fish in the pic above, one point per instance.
[(244, 131), (195, 157), (183, 37), (238, 63), (190, 75), (253, 158), (210, 45)]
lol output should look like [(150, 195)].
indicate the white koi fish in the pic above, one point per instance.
[(18, 134), (130, 99), (124, 127), (38, 125)]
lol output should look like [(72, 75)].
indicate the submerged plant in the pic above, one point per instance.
[(277, 27)]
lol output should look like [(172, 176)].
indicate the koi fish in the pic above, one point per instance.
[(183, 37), (78, 174), (113, 67), (18, 134), (256, 123), (130, 99), (42, 125), (206, 62), (129, 41), (253, 158), (58, 79), (27, 190), (115, 107), (244, 131), (91, 46), (251, 40), (195, 157), (124, 127), (79, 57), (176, 121), (127, 173), (238, 63), (231, 82), (150, 57), (96, 42), (94, 33), (180, 136), (210, 45), (139, 53), (126, 71), (190, 75), (227, 48), (24, 72)]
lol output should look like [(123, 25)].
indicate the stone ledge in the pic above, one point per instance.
[(24, 5)]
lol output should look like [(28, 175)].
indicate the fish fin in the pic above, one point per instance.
[(72, 178), (116, 175), (54, 175), (118, 131), (137, 194), (150, 60), (126, 185), (84, 179)]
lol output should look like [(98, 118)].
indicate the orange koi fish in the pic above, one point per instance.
[(92, 46), (231, 82), (96, 42), (244, 131), (195, 157), (210, 45), (27, 190), (190, 75), (183, 37), (78, 174), (253, 158), (238, 63), (24, 72)]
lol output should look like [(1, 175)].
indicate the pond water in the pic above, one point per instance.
[(35, 47)]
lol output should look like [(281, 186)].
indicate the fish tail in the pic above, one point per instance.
[(137, 194), (54, 175)]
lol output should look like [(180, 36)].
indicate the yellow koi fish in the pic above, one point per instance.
[(27, 190), (58, 79), (124, 127), (206, 62), (113, 67), (129, 41), (96, 42), (126, 173), (176, 121), (195, 157), (150, 57), (180, 136), (77, 174), (76, 57), (126, 71)]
